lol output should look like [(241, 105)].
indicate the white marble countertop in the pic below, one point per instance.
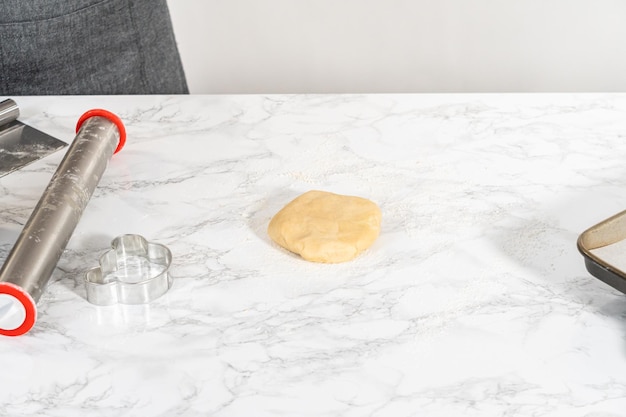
[(474, 300)]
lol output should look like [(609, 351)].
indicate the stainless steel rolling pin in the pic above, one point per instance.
[(29, 265)]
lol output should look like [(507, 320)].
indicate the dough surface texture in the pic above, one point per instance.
[(326, 227)]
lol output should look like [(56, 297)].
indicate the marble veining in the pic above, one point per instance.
[(474, 300)]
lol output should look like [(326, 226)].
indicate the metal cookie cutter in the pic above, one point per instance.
[(134, 271)]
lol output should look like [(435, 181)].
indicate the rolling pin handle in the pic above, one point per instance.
[(111, 117), (18, 310)]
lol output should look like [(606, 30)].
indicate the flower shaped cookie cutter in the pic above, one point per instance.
[(133, 271)]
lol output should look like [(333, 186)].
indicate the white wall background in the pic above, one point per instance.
[(318, 46)]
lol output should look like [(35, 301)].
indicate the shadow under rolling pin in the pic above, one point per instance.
[(30, 263)]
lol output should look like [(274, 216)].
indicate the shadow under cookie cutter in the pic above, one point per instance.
[(133, 271)]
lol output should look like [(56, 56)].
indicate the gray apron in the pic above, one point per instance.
[(88, 47)]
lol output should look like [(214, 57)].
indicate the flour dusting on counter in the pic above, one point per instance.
[(472, 301)]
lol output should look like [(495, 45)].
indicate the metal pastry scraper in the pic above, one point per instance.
[(21, 144)]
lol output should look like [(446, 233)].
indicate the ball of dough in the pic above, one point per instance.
[(326, 227)]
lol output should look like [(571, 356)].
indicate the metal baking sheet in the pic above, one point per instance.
[(592, 244)]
